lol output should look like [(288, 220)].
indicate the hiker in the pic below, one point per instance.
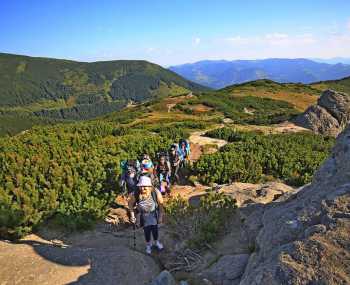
[(174, 160), (147, 169), (129, 176), (163, 172), (184, 152), (149, 203)]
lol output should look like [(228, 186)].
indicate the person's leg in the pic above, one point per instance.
[(147, 230), (176, 175), (155, 232), (168, 184), (155, 235)]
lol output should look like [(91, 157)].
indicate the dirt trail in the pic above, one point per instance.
[(92, 257)]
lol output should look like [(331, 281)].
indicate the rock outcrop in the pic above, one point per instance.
[(227, 270), (329, 116), (306, 238)]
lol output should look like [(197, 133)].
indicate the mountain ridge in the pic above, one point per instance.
[(45, 90), (221, 73)]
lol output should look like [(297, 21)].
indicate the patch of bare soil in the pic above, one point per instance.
[(288, 127), (201, 144)]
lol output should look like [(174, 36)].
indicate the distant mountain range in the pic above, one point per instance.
[(221, 73), (333, 60)]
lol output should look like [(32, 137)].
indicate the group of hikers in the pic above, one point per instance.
[(145, 183)]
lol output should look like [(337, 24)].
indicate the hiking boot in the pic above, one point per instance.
[(159, 245), (148, 249)]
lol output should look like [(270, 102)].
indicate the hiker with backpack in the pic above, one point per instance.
[(148, 202), (175, 161), (163, 173), (129, 176), (147, 169), (184, 152)]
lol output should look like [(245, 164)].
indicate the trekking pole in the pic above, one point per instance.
[(134, 230)]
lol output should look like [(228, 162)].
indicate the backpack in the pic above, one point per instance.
[(127, 183), (125, 164)]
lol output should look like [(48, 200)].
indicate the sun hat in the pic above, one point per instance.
[(145, 182)]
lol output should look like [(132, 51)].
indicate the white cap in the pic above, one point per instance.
[(145, 181)]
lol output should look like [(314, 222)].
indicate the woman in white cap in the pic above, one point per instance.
[(149, 203)]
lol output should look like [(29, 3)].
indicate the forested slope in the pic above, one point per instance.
[(69, 90)]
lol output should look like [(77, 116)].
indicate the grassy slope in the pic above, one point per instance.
[(68, 90), (299, 95), (342, 85)]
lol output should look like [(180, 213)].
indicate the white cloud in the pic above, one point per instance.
[(196, 41), (150, 49), (239, 40), (333, 28), (273, 39)]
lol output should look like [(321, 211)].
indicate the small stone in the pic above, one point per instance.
[(164, 278)]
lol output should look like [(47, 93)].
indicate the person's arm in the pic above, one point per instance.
[(131, 203), (160, 205), (169, 168), (121, 180)]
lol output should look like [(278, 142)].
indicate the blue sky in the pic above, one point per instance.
[(177, 31)]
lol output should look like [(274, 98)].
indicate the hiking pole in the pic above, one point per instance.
[(134, 230)]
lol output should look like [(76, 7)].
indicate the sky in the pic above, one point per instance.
[(170, 32)]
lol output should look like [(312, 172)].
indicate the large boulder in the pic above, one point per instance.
[(305, 239), (337, 104), (227, 270), (329, 116), (317, 119)]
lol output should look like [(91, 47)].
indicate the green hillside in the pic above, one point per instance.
[(299, 95), (341, 85), (67, 90)]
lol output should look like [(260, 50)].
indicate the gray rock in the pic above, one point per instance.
[(315, 229), (317, 119), (164, 278), (289, 251), (337, 104), (330, 116), (227, 269)]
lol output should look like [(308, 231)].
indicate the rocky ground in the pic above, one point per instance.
[(279, 235)]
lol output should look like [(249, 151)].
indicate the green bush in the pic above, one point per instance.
[(68, 173), (250, 157), (265, 111), (200, 225)]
